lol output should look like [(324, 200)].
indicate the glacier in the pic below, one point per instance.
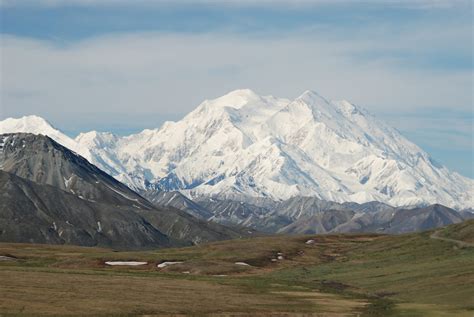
[(246, 145)]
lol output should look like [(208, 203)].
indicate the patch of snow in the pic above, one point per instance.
[(99, 227), (6, 258), (168, 263), (126, 263), (67, 181), (310, 241), (3, 140), (122, 194), (242, 263)]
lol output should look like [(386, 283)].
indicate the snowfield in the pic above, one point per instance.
[(243, 144), (125, 263)]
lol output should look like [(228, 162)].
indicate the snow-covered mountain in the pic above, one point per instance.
[(243, 144), (37, 125)]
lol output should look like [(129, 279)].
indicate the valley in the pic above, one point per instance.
[(324, 275)]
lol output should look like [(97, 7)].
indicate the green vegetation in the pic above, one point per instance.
[(338, 275), (463, 232)]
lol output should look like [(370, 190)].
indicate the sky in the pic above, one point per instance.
[(123, 65)]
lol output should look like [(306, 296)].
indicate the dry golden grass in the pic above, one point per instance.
[(55, 293), (338, 275)]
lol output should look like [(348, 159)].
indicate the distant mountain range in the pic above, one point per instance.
[(309, 215), (243, 146)]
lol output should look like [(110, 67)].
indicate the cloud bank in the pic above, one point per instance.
[(172, 73)]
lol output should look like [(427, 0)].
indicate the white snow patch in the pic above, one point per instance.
[(67, 181), (126, 263), (122, 194), (165, 264), (3, 141), (6, 258), (242, 263), (310, 241)]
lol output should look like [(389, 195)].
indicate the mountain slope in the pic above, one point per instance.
[(35, 213), (403, 220), (58, 172), (243, 145), (178, 201), (42, 160)]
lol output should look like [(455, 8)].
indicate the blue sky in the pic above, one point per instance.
[(125, 65)]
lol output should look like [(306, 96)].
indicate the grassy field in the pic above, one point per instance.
[(335, 275)]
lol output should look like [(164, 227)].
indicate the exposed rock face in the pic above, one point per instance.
[(36, 213), (52, 195)]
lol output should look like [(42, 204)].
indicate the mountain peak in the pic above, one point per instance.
[(312, 97), (37, 125), (235, 99), (28, 124), (94, 137), (245, 92), (251, 145)]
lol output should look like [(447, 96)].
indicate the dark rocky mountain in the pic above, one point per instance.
[(50, 194), (384, 221), (36, 213), (424, 218), (44, 161), (467, 213)]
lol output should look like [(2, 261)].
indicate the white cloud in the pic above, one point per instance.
[(172, 73)]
